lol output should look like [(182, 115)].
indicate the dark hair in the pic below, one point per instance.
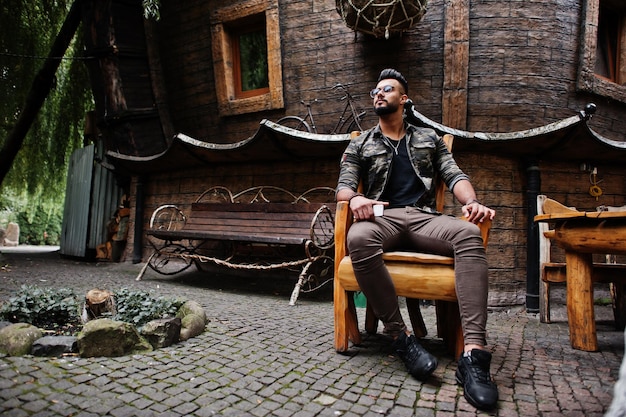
[(392, 74)]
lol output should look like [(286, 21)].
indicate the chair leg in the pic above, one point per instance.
[(415, 314), (449, 326), (544, 302), (346, 322), (619, 305), (371, 321)]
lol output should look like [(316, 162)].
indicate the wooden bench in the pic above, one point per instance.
[(415, 275), (255, 235), (555, 272)]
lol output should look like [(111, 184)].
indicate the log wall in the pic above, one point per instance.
[(521, 73)]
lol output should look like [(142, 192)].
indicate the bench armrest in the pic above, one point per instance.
[(323, 228), (167, 217)]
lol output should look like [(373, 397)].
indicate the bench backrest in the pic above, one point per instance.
[(289, 220)]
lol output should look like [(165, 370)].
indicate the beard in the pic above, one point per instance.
[(388, 109)]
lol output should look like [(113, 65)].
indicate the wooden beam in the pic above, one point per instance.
[(455, 64)]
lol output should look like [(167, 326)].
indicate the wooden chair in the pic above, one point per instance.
[(555, 272), (415, 275)]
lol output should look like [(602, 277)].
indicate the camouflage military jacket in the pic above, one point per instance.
[(368, 157)]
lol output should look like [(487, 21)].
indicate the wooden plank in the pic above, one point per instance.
[(603, 238), (236, 223), (202, 235), (203, 218), (602, 272), (456, 64), (261, 207), (249, 224)]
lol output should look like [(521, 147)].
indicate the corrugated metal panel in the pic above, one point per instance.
[(105, 199), (91, 199), (77, 198)]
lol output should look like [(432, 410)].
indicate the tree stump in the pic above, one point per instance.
[(98, 303)]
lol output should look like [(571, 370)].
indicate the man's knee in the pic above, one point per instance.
[(360, 236)]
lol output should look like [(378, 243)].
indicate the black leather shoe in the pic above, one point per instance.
[(417, 360), (473, 373)]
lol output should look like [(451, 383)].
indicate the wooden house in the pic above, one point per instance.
[(181, 108)]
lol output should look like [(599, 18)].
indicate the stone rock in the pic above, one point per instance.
[(192, 325), (162, 332), (54, 346), (17, 339), (192, 307), (193, 319), (12, 236), (4, 324), (106, 337)]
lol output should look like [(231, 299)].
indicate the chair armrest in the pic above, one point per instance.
[(343, 221), (485, 228)]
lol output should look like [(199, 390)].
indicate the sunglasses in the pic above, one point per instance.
[(385, 89)]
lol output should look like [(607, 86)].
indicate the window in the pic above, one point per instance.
[(603, 49), (610, 46), (250, 73), (246, 57)]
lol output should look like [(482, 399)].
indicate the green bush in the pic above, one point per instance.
[(40, 224), (138, 307), (42, 307), (39, 227)]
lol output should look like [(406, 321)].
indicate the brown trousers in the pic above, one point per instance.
[(409, 228)]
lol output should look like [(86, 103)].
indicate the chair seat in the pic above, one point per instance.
[(436, 277)]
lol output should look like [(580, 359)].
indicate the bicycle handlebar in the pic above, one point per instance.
[(309, 103)]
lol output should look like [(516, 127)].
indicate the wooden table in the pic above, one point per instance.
[(582, 234)]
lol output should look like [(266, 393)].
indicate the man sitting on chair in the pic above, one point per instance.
[(397, 162)]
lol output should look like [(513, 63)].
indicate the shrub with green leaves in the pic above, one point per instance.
[(42, 307), (138, 307)]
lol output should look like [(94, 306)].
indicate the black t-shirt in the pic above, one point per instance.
[(403, 187)]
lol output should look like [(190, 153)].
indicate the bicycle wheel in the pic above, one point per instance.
[(366, 120), (295, 122)]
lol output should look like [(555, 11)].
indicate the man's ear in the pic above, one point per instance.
[(404, 98)]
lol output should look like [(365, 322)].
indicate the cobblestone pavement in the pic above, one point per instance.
[(261, 357)]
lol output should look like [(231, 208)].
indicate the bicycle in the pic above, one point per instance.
[(351, 118)]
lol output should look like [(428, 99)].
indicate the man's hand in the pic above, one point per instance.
[(363, 208), (476, 212)]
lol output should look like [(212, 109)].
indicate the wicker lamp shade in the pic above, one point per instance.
[(381, 18)]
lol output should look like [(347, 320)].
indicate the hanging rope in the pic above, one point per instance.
[(381, 18), (221, 262)]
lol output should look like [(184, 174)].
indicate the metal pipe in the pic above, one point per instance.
[(139, 210), (532, 244)]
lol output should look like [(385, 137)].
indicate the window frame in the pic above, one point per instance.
[(223, 21), (588, 80)]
